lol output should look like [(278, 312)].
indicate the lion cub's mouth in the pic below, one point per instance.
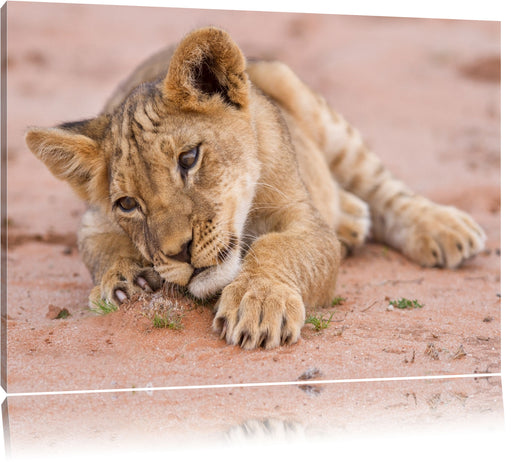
[(199, 271), (203, 281)]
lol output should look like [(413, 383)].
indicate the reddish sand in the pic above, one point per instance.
[(426, 95)]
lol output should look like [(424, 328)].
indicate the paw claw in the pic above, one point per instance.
[(224, 329), (120, 295), (245, 339), (143, 284), (263, 340)]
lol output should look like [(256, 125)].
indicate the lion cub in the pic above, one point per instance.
[(234, 178)]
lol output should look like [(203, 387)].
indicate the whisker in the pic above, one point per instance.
[(272, 188)]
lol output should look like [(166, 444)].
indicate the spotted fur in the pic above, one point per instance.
[(234, 178)]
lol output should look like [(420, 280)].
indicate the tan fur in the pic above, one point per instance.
[(237, 179)]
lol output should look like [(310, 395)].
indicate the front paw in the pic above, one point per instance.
[(259, 312), (354, 221), (443, 236), (123, 280)]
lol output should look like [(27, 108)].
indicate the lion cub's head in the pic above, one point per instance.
[(174, 165)]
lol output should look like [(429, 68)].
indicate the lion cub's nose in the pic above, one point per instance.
[(184, 253)]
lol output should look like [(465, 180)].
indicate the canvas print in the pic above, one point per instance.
[(209, 198)]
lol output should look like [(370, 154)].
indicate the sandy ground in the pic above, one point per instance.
[(426, 95)]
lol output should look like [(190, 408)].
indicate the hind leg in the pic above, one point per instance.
[(428, 233)]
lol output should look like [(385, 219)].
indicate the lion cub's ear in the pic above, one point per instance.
[(73, 156), (207, 67)]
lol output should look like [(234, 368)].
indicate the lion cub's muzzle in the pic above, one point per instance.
[(218, 263), (184, 256)]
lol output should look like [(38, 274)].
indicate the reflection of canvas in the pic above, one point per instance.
[(410, 85), (177, 420)]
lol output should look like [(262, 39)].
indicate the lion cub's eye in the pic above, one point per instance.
[(188, 159), (127, 204)]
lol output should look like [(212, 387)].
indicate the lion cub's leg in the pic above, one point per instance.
[(117, 268), (284, 272), (428, 233), (348, 215)]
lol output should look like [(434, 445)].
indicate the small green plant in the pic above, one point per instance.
[(167, 321), (63, 314), (319, 323), (337, 301), (103, 307), (405, 303)]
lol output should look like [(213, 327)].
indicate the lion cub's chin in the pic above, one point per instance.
[(215, 278), (175, 272)]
